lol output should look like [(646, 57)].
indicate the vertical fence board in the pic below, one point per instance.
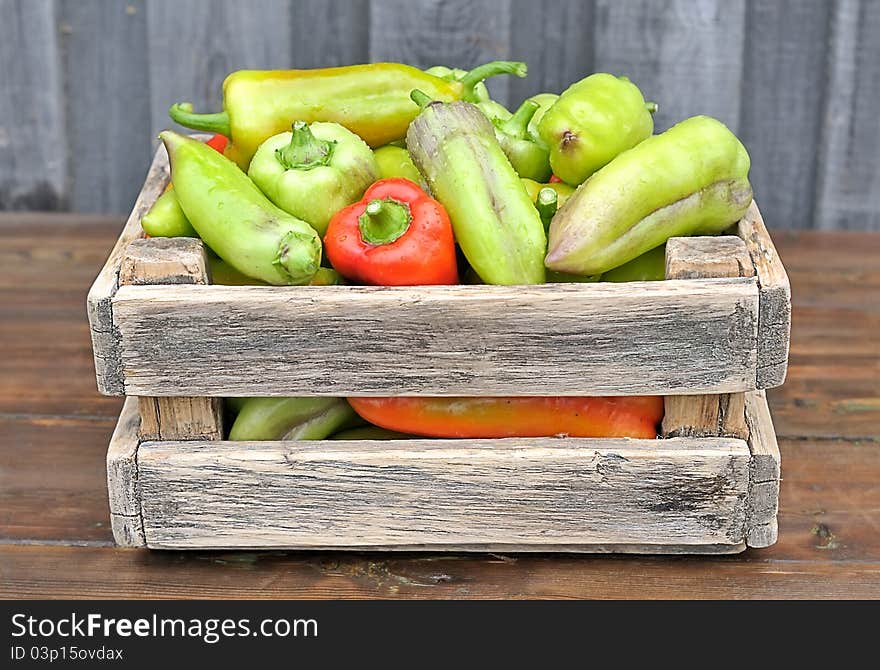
[(325, 34), (108, 102), (33, 155), (458, 33), (685, 55), (556, 41), (781, 110), (193, 46), (849, 184)]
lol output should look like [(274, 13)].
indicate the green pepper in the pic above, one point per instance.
[(223, 274), (370, 100), (236, 220), (292, 418), (650, 266), (479, 95), (592, 121), (314, 171), (529, 158), (690, 180), (166, 218), (395, 162), (563, 190), (496, 224), (544, 101)]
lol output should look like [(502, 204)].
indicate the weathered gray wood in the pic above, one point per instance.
[(781, 104), (774, 312), (194, 45), (686, 56), (327, 34), (849, 183), (701, 257), (122, 479), (105, 337), (104, 47), (694, 336), (446, 493), (457, 33), (764, 473), (33, 151)]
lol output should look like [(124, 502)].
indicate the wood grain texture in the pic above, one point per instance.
[(458, 33), (105, 338), (444, 493), (312, 20), (774, 318), (764, 473), (709, 414), (669, 337), (782, 102), (849, 182), (122, 479), (104, 49), (685, 56), (33, 151)]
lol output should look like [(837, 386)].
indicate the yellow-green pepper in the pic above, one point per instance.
[(394, 161)]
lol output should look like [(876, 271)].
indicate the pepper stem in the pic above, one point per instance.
[(481, 72), (421, 98), (518, 125), (546, 203), (305, 151), (182, 113), (384, 221), (652, 107)]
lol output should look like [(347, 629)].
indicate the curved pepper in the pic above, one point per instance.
[(530, 159), (291, 418), (394, 161), (370, 100), (314, 171), (690, 180), (496, 224), (494, 417), (593, 121), (396, 236), (236, 220), (650, 266), (544, 101), (166, 218)]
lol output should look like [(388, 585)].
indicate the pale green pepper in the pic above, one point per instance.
[(393, 161)]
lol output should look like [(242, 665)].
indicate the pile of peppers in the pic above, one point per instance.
[(385, 174)]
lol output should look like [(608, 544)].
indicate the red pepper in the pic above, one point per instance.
[(490, 417), (554, 179), (218, 142), (397, 235)]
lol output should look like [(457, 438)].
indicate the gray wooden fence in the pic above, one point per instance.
[(85, 84)]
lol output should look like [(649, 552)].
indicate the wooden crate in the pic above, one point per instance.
[(709, 339)]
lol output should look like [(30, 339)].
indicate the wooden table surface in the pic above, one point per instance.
[(55, 539)]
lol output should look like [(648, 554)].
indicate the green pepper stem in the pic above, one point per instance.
[(421, 98), (305, 151), (384, 221), (546, 203), (652, 107), (213, 123), (482, 72), (518, 125)]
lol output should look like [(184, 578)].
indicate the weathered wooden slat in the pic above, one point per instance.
[(786, 46), (122, 479), (711, 414), (764, 473), (686, 56), (33, 151), (108, 101), (105, 338), (774, 311), (849, 178), (312, 22), (693, 336), (457, 33), (445, 493)]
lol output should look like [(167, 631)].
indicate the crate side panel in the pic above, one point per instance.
[(672, 337), (545, 492)]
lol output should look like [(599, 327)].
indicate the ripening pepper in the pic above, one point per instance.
[(650, 266), (394, 161), (236, 220), (370, 100), (690, 180), (291, 418), (530, 159), (496, 224), (593, 121), (397, 235), (166, 218), (314, 171), (495, 417)]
